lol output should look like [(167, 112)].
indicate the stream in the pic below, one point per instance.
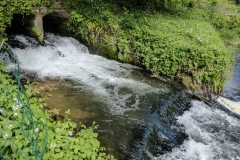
[(139, 117)]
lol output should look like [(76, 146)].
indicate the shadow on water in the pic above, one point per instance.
[(160, 133)]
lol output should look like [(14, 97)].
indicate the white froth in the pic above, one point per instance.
[(232, 106), (25, 40), (212, 135), (66, 58)]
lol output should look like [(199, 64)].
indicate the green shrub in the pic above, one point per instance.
[(20, 139), (167, 43)]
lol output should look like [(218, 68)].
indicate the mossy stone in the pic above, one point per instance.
[(109, 50)]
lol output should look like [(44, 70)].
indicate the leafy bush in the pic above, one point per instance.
[(18, 138), (169, 43)]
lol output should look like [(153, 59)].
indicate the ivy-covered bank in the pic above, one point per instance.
[(164, 38)]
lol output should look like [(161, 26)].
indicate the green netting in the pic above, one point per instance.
[(23, 135)]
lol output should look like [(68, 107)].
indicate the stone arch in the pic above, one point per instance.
[(33, 24), (54, 21)]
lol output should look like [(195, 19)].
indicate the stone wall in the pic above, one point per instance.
[(36, 23)]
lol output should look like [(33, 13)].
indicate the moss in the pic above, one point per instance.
[(188, 82), (127, 58), (36, 31), (130, 59), (109, 50)]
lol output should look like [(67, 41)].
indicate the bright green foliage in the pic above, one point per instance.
[(167, 43), (19, 133), (63, 145), (37, 31), (27, 132), (228, 27), (10, 7), (184, 46), (18, 123)]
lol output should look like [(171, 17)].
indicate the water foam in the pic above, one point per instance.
[(232, 106), (212, 135), (66, 58)]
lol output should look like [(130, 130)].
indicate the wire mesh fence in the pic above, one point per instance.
[(22, 133)]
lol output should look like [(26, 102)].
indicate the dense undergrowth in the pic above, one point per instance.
[(39, 136), (173, 40)]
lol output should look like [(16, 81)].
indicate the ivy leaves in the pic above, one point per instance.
[(25, 132)]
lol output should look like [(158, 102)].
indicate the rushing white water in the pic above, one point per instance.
[(213, 134), (66, 58), (232, 106)]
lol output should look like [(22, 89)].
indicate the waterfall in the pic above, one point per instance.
[(139, 117)]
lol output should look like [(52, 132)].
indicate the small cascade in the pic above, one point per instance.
[(212, 134), (232, 106), (139, 117), (160, 134)]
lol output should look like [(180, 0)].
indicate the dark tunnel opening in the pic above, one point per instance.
[(19, 24), (55, 22), (52, 22)]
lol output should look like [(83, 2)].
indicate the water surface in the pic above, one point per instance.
[(139, 117)]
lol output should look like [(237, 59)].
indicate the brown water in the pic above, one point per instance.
[(115, 131)]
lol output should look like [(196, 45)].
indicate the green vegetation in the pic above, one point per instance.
[(177, 38), (62, 140), (26, 130), (227, 24), (37, 31), (169, 38)]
